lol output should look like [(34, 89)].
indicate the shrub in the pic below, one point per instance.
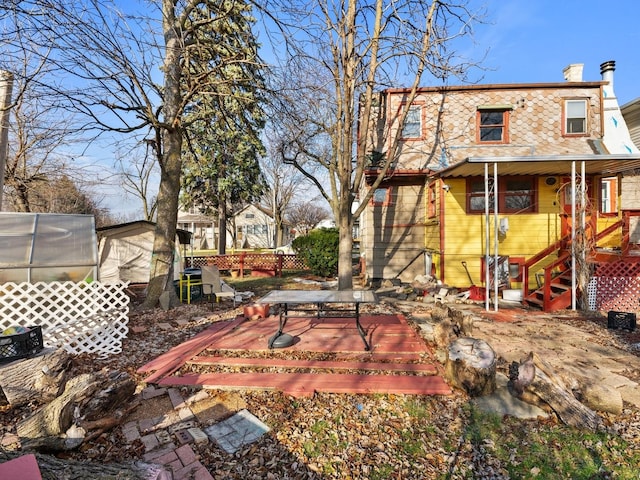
[(319, 249)]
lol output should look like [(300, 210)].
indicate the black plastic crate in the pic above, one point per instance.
[(21, 345), (621, 320)]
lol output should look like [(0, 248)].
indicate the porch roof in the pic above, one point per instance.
[(602, 164)]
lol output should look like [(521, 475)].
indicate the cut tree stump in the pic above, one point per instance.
[(534, 381), (471, 366), (41, 377), (57, 425)]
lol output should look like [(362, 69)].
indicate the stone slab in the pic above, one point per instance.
[(238, 430)]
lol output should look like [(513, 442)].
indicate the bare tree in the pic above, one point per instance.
[(138, 174), (107, 65), (284, 183), (339, 54), (304, 216), (38, 132)]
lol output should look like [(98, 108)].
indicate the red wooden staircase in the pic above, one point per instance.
[(554, 290)]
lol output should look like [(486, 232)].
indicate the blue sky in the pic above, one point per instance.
[(533, 40)]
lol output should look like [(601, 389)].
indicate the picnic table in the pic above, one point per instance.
[(319, 304)]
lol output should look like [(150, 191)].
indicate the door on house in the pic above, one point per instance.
[(565, 194)]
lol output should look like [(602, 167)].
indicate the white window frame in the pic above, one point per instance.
[(412, 127), (571, 121)]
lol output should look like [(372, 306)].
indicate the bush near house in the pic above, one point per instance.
[(319, 249)]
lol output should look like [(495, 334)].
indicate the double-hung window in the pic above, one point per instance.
[(575, 114), (492, 125), (412, 127)]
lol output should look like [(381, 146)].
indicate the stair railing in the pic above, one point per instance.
[(564, 242)]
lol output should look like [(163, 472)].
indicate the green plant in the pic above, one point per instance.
[(547, 450), (319, 249)]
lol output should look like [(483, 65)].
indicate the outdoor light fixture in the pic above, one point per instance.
[(446, 187)]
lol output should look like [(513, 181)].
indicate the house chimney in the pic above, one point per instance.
[(573, 73), (606, 70)]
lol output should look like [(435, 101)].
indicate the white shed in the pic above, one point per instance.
[(124, 252)]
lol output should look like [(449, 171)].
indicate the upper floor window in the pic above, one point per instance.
[(381, 196), (575, 113), (412, 127), (493, 125), (515, 195)]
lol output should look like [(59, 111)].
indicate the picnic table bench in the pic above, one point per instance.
[(319, 304)]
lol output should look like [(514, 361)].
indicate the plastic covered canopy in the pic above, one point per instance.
[(45, 247)]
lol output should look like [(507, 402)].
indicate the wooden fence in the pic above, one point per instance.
[(256, 264)]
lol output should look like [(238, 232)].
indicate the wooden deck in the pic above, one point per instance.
[(327, 356)]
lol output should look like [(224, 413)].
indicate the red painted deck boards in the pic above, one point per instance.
[(306, 384), (395, 344), (317, 364)]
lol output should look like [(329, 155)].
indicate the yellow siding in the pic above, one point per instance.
[(465, 235)]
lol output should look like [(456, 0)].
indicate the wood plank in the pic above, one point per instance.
[(318, 364), (305, 384), (176, 357)]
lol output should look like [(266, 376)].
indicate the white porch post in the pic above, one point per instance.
[(573, 235), (583, 222), (487, 237), (495, 236)]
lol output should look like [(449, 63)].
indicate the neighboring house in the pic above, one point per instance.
[(531, 141), (631, 113), (124, 252), (201, 226), (252, 227)]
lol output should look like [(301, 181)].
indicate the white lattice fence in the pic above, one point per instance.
[(79, 317)]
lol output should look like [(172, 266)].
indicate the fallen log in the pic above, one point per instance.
[(38, 378), (471, 366), (55, 468), (534, 381), (58, 425)]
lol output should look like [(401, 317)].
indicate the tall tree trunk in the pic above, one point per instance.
[(170, 155), (161, 278), (222, 228), (345, 270), (6, 87)]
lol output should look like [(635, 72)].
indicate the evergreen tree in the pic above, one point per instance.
[(223, 146)]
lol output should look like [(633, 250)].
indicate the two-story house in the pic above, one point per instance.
[(252, 227), (497, 174)]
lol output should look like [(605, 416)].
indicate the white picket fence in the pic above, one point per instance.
[(79, 317)]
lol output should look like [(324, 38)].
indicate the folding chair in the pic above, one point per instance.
[(214, 287)]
